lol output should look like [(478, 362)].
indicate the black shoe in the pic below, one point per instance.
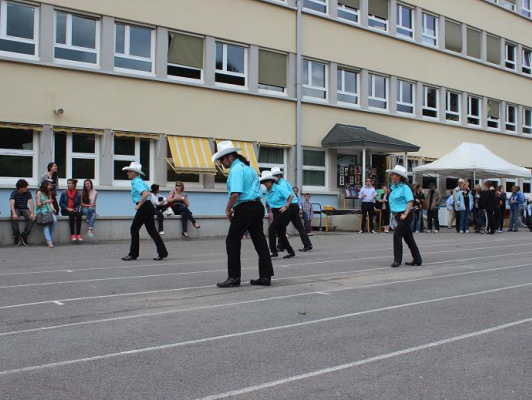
[(262, 281), (395, 264), (411, 263), (279, 248), (229, 282), (24, 240), (306, 248), (160, 258), (18, 241), (129, 258), (290, 254), (274, 255)]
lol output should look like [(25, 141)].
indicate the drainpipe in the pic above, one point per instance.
[(299, 94)]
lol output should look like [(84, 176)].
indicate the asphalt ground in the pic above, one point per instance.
[(76, 322)]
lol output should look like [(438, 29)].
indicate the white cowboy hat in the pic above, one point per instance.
[(135, 167), (267, 176), (224, 148), (399, 170), (277, 171)]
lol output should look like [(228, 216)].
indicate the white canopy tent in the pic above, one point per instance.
[(473, 160)]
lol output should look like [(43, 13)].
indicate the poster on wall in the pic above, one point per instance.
[(358, 170), (351, 179), (373, 171), (342, 180), (357, 179)]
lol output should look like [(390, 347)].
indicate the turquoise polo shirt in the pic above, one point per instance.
[(244, 181), (137, 187), (284, 183), (277, 197), (400, 196)]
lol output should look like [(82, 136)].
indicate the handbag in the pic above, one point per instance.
[(45, 218)]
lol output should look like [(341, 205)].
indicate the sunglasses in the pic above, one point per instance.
[(178, 185)]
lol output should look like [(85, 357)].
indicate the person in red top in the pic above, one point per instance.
[(70, 203)]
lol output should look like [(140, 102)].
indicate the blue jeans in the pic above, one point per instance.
[(514, 220), (417, 223), (49, 230), (90, 212), (465, 217)]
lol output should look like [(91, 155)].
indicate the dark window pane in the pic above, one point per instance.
[(171, 176), (83, 32), (124, 146), (314, 6), (219, 55), (83, 143), (140, 41), (346, 15), (271, 155), (75, 55), (16, 139), (120, 38), (83, 169), (314, 158), (451, 183), (272, 88), (377, 103), (509, 186), (60, 28), (314, 178), (405, 109), (526, 187), (347, 99), (118, 174), (230, 79), (16, 166), (145, 157), (432, 98), (132, 64), (17, 47), (430, 113), (320, 94), (219, 178), (60, 153), (493, 124), (235, 59), (453, 117), (20, 20), (184, 72)]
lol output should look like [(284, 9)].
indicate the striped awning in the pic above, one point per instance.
[(247, 151), (276, 145), (136, 135), (82, 131), (26, 127), (190, 155)]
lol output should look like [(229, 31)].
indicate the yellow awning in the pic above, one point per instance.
[(247, 151), (85, 131), (191, 155), (26, 127), (136, 135), (276, 145)]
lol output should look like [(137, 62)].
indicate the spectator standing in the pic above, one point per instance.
[(70, 203), (159, 203), (88, 205), (18, 203), (384, 205), (517, 200), (45, 204), (465, 208), (433, 207), (306, 209), (180, 206), (51, 175), (489, 205), (367, 197), (457, 204), (499, 210), (451, 213), (478, 212), (503, 203), (419, 205)]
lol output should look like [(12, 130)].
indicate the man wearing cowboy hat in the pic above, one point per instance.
[(279, 200), (293, 210), (140, 192), (246, 213)]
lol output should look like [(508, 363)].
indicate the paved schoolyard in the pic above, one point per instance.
[(78, 323)]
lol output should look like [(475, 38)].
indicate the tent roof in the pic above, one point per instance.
[(469, 158)]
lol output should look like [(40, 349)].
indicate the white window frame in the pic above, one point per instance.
[(513, 64), (372, 90), (347, 93), (324, 3), (525, 126), (69, 46), (224, 70), (5, 36), (508, 122), (310, 84), (282, 166), (426, 100), (127, 54), (508, 5), (379, 20), (182, 78), (33, 180), (306, 188), (526, 8), (493, 120), (448, 105), (426, 34), (526, 69), (86, 156), (349, 10), (469, 108), (400, 100), (119, 157), (400, 20)]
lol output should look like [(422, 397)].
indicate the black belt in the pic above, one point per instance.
[(251, 201), (398, 214)]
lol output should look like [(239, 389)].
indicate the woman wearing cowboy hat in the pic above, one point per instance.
[(246, 213), (401, 200), (279, 199), (140, 192)]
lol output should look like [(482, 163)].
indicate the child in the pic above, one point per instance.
[(306, 210)]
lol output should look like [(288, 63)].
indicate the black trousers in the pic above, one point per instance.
[(144, 216), (26, 214), (294, 217), (278, 228), (249, 217), (457, 220), (186, 214), (74, 219), (368, 209), (385, 219), (403, 230), (433, 215), (160, 219)]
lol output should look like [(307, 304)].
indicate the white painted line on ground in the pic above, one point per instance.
[(257, 331), (67, 270), (359, 363), (324, 293), (58, 303), (200, 308)]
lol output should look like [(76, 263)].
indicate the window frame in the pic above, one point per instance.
[(426, 35), (70, 155), (127, 50), (507, 61), (312, 87), (230, 73), (493, 120), (526, 11), (282, 166), (379, 20), (182, 78), (525, 126), (469, 108), (5, 36), (425, 105), (324, 3), (526, 69), (448, 110), (371, 89), (507, 122), (348, 10), (509, 5), (119, 157), (345, 92), (33, 180), (399, 100), (400, 19), (306, 188)]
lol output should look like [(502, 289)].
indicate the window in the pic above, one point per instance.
[(474, 43), (527, 121), (314, 168), (231, 64), (429, 30), (77, 38), (527, 56), (453, 36), (316, 5), (430, 102), (76, 155), (314, 79), (17, 153), (494, 50), (349, 10), (127, 149), (473, 110), (185, 56), (526, 187), (270, 157), (378, 14), (494, 114), (525, 8), (18, 28), (452, 106), (272, 71), (509, 4), (378, 92), (347, 85), (134, 48), (509, 61), (405, 24), (511, 118), (405, 97)]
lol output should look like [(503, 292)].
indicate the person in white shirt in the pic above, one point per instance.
[(159, 203), (450, 210), (367, 196)]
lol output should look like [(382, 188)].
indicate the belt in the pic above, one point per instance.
[(251, 201), (398, 214)]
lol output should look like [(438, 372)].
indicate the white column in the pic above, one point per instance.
[(484, 113), (463, 107), (405, 160), (393, 95), (363, 166), (484, 46), (392, 18), (333, 82), (253, 74), (503, 53), (364, 12), (503, 116), (441, 33), (418, 23), (519, 58), (464, 40), (364, 91), (441, 104), (333, 9)]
